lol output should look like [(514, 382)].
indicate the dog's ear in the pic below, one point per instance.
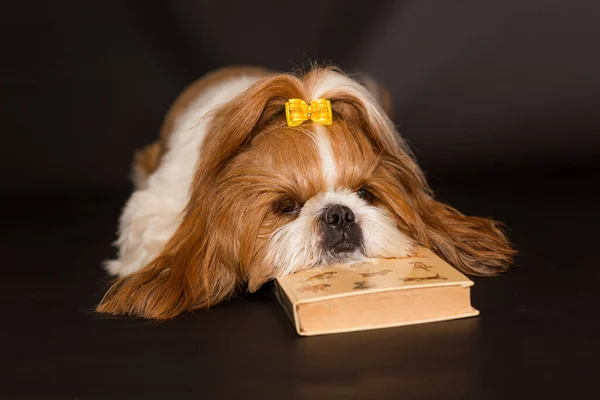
[(190, 272), (197, 267), (474, 245)]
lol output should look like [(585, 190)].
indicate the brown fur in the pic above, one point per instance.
[(250, 161), (197, 269), (474, 245), (148, 158)]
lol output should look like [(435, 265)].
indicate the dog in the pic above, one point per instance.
[(258, 174)]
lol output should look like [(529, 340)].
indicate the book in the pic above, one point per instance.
[(374, 294)]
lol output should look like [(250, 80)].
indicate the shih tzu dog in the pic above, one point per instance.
[(259, 174)]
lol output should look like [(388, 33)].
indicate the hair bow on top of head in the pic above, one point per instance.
[(297, 111)]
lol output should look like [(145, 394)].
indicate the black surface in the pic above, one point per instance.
[(537, 336)]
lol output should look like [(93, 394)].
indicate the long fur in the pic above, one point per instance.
[(228, 238)]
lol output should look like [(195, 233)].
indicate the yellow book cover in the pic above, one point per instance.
[(375, 294)]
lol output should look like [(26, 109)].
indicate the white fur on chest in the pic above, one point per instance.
[(152, 213)]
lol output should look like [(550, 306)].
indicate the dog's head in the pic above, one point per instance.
[(269, 199)]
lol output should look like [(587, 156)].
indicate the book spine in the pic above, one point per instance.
[(286, 304)]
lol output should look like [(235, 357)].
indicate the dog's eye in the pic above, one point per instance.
[(365, 194), (288, 206)]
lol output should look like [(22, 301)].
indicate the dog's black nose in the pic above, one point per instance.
[(338, 215), (340, 232)]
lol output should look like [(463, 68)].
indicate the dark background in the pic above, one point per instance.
[(500, 101), (505, 83)]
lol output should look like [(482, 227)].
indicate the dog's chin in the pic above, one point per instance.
[(344, 256)]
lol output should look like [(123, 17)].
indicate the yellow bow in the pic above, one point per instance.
[(297, 111)]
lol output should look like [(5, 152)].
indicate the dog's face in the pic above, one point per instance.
[(269, 199), (313, 195)]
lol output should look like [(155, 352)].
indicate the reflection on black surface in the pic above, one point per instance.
[(416, 360)]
